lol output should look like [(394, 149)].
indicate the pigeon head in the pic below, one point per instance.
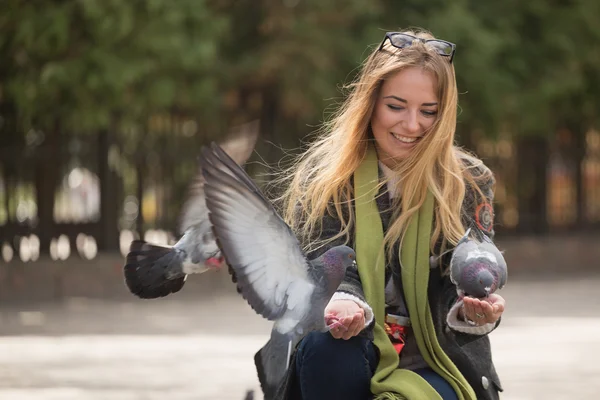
[(335, 261), (478, 280)]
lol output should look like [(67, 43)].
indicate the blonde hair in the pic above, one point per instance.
[(321, 179)]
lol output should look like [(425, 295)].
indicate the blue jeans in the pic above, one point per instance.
[(328, 368)]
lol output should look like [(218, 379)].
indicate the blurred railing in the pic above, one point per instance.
[(543, 188)]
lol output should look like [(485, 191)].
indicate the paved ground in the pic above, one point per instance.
[(546, 348)]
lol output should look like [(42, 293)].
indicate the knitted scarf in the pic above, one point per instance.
[(390, 382)]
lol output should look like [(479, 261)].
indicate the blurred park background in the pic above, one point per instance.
[(104, 105)]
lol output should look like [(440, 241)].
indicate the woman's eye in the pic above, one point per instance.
[(429, 113), (395, 108)]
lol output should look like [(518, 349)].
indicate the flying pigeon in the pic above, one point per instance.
[(154, 271), (268, 265), (477, 269)]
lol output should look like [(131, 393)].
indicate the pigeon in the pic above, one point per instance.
[(154, 271), (267, 262), (477, 268)]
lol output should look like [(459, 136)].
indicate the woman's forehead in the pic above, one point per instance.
[(411, 83)]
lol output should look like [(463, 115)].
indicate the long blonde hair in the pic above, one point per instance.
[(321, 179)]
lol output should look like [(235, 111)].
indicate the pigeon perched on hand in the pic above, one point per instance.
[(155, 271), (267, 262), (477, 269)]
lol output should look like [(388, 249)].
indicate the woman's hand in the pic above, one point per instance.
[(483, 311), (349, 315)]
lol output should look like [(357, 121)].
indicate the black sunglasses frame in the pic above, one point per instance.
[(389, 35)]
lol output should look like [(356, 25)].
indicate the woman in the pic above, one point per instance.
[(386, 178)]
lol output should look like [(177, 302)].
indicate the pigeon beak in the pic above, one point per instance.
[(487, 290), (354, 263)]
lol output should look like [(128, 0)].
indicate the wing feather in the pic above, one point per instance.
[(239, 145), (269, 265)]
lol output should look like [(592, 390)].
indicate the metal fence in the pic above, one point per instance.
[(101, 202)]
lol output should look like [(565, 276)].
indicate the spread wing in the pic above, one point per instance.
[(239, 145), (270, 267)]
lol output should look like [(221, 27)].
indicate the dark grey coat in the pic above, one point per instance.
[(470, 353)]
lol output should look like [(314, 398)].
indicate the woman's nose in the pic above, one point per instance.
[(411, 123)]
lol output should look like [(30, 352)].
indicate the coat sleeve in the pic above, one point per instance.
[(477, 214)]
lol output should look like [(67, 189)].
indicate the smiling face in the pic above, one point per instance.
[(406, 108)]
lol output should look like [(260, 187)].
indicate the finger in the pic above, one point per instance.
[(488, 312), (330, 320), (340, 330), (343, 326), (336, 333), (361, 317), (352, 329), (471, 302), (480, 316), (333, 322), (487, 308), (330, 317), (333, 325), (348, 321), (469, 305), (355, 326), (340, 325), (468, 308), (361, 312), (498, 309)]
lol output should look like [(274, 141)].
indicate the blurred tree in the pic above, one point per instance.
[(548, 54), (524, 71), (104, 67), (152, 79), (285, 60)]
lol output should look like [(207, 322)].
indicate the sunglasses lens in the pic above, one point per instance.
[(402, 40), (399, 40), (442, 48)]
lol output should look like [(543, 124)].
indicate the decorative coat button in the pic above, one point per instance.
[(485, 382)]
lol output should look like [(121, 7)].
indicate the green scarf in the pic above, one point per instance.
[(390, 382)]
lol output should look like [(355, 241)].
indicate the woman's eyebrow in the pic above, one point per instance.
[(400, 99)]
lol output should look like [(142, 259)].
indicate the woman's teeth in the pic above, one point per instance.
[(405, 139)]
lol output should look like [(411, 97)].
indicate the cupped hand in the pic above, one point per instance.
[(484, 311), (345, 317)]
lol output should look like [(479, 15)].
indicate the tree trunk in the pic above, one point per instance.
[(532, 158), (267, 123), (578, 155), (7, 190), (140, 195), (48, 164), (110, 196)]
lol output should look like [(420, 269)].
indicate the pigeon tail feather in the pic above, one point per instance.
[(272, 363), (153, 271)]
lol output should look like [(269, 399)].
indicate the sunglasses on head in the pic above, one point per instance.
[(402, 40)]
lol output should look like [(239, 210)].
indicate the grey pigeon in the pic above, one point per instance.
[(154, 271), (267, 262), (477, 268)]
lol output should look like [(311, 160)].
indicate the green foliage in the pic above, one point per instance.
[(83, 62), (159, 77), (87, 63)]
